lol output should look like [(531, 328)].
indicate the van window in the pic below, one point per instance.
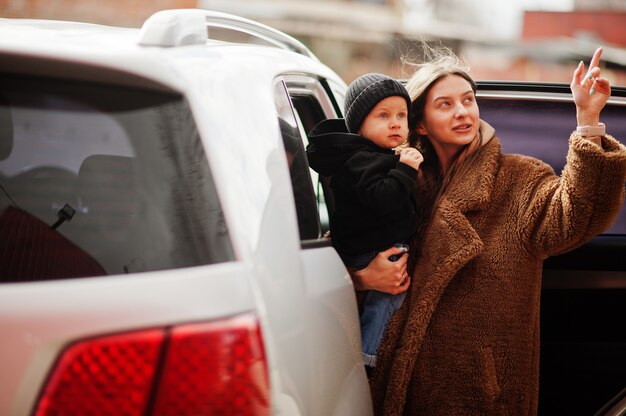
[(99, 180), (303, 192), (542, 128)]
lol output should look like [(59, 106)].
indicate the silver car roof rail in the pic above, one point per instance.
[(169, 28)]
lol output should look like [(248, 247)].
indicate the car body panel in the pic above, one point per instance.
[(38, 320)]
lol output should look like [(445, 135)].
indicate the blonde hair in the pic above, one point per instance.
[(436, 63)]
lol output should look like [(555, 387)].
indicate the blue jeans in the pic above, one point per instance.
[(377, 310)]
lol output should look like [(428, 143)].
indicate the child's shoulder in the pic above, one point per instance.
[(329, 125)]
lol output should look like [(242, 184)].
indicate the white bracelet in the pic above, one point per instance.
[(587, 131)]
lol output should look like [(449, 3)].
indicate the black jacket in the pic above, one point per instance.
[(374, 193)]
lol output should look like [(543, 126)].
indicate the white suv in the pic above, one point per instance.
[(160, 243)]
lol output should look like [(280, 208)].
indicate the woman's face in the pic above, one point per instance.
[(451, 116)]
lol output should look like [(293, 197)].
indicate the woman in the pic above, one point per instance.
[(466, 340)]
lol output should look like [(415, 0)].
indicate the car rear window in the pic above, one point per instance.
[(542, 128), (98, 180)]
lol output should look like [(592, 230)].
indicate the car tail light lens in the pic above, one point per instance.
[(196, 369), (109, 375), (194, 382)]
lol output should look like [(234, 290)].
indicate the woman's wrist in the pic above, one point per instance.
[(584, 119), (357, 280)]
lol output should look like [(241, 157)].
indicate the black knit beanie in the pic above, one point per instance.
[(365, 92)]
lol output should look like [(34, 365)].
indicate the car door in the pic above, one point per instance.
[(337, 382), (584, 291)]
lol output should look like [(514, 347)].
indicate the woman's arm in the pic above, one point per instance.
[(565, 212), (382, 274)]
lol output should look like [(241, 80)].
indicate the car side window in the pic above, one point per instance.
[(303, 192), (309, 113), (315, 100), (541, 129)]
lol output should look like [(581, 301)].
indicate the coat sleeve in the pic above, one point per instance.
[(563, 212), (382, 183)]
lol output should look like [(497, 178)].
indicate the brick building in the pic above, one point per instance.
[(569, 37)]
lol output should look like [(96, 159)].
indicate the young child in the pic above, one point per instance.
[(373, 187)]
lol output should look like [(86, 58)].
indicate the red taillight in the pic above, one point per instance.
[(104, 376), (195, 382), (215, 368)]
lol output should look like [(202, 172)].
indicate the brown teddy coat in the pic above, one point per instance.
[(466, 339)]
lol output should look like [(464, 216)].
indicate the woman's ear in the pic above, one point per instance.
[(421, 130)]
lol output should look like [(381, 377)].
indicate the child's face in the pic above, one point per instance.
[(387, 124)]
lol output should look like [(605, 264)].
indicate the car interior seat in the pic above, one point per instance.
[(107, 207)]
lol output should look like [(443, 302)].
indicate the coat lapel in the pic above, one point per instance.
[(451, 241), (449, 244)]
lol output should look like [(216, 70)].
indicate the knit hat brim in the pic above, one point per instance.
[(365, 93)]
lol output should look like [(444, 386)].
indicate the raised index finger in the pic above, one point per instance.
[(595, 61)]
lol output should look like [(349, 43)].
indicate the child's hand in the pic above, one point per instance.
[(411, 157)]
